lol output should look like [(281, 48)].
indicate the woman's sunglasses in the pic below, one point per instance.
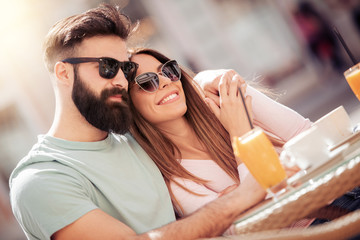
[(108, 67), (149, 81)]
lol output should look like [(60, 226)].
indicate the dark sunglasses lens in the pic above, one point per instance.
[(129, 70), (108, 68), (171, 70), (148, 81)]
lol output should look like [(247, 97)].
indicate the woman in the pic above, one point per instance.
[(186, 140)]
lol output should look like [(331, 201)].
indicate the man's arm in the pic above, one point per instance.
[(209, 221)]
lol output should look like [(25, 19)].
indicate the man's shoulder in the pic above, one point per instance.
[(123, 138), (40, 173), (40, 162), (127, 140)]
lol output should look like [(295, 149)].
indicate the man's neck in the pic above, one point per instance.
[(75, 128)]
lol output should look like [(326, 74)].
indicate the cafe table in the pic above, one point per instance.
[(311, 192)]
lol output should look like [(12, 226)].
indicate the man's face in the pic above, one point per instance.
[(100, 111), (103, 102)]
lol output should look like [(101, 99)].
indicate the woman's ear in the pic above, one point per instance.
[(64, 73)]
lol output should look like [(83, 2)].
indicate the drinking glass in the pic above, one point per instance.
[(352, 76), (258, 154)]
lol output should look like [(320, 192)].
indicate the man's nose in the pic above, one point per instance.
[(120, 81)]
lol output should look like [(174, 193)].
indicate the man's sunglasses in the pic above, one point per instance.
[(149, 81), (108, 67)]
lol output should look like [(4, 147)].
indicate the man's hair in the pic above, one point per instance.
[(67, 34)]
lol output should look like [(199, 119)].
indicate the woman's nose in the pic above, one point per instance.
[(163, 81)]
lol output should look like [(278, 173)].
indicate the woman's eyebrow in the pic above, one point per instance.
[(158, 69)]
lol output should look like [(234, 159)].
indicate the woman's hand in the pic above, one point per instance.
[(209, 82), (230, 109)]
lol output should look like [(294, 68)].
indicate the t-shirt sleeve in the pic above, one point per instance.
[(275, 117), (45, 200)]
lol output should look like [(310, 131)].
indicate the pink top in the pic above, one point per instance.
[(273, 117), (204, 169)]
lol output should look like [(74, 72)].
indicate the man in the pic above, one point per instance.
[(83, 180)]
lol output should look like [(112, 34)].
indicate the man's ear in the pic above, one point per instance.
[(64, 73)]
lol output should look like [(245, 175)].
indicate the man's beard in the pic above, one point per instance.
[(98, 111)]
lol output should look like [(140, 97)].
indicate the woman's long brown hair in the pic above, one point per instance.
[(206, 125)]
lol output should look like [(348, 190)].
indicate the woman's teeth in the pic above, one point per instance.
[(172, 96)]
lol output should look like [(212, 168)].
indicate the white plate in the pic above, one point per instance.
[(352, 138)]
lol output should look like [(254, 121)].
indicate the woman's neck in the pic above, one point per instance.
[(182, 134)]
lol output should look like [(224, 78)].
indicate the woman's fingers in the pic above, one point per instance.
[(213, 106), (233, 86), (248, 103), (241, 84), (213, 97), (224, 84), (230, 84)]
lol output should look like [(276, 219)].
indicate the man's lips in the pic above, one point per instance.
[(117, 97)]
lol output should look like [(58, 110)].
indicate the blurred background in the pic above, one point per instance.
[(288, 46)]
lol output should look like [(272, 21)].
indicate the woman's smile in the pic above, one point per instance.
[(169, 98), (167, 103)]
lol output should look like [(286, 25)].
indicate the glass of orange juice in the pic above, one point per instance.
[(258, 154), (352, 76)]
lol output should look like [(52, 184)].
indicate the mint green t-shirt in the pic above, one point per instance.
[(59, 181)]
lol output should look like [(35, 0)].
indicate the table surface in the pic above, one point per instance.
[(314, 190)]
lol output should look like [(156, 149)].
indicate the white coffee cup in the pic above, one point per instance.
[(306, 150), (335, 126)]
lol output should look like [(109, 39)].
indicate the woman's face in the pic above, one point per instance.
[(165, 104)]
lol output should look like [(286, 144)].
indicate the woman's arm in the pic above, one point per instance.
[(275, 117), (270, 115)]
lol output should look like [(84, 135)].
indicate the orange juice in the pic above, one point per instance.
[(352, 76), (258, 154)]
